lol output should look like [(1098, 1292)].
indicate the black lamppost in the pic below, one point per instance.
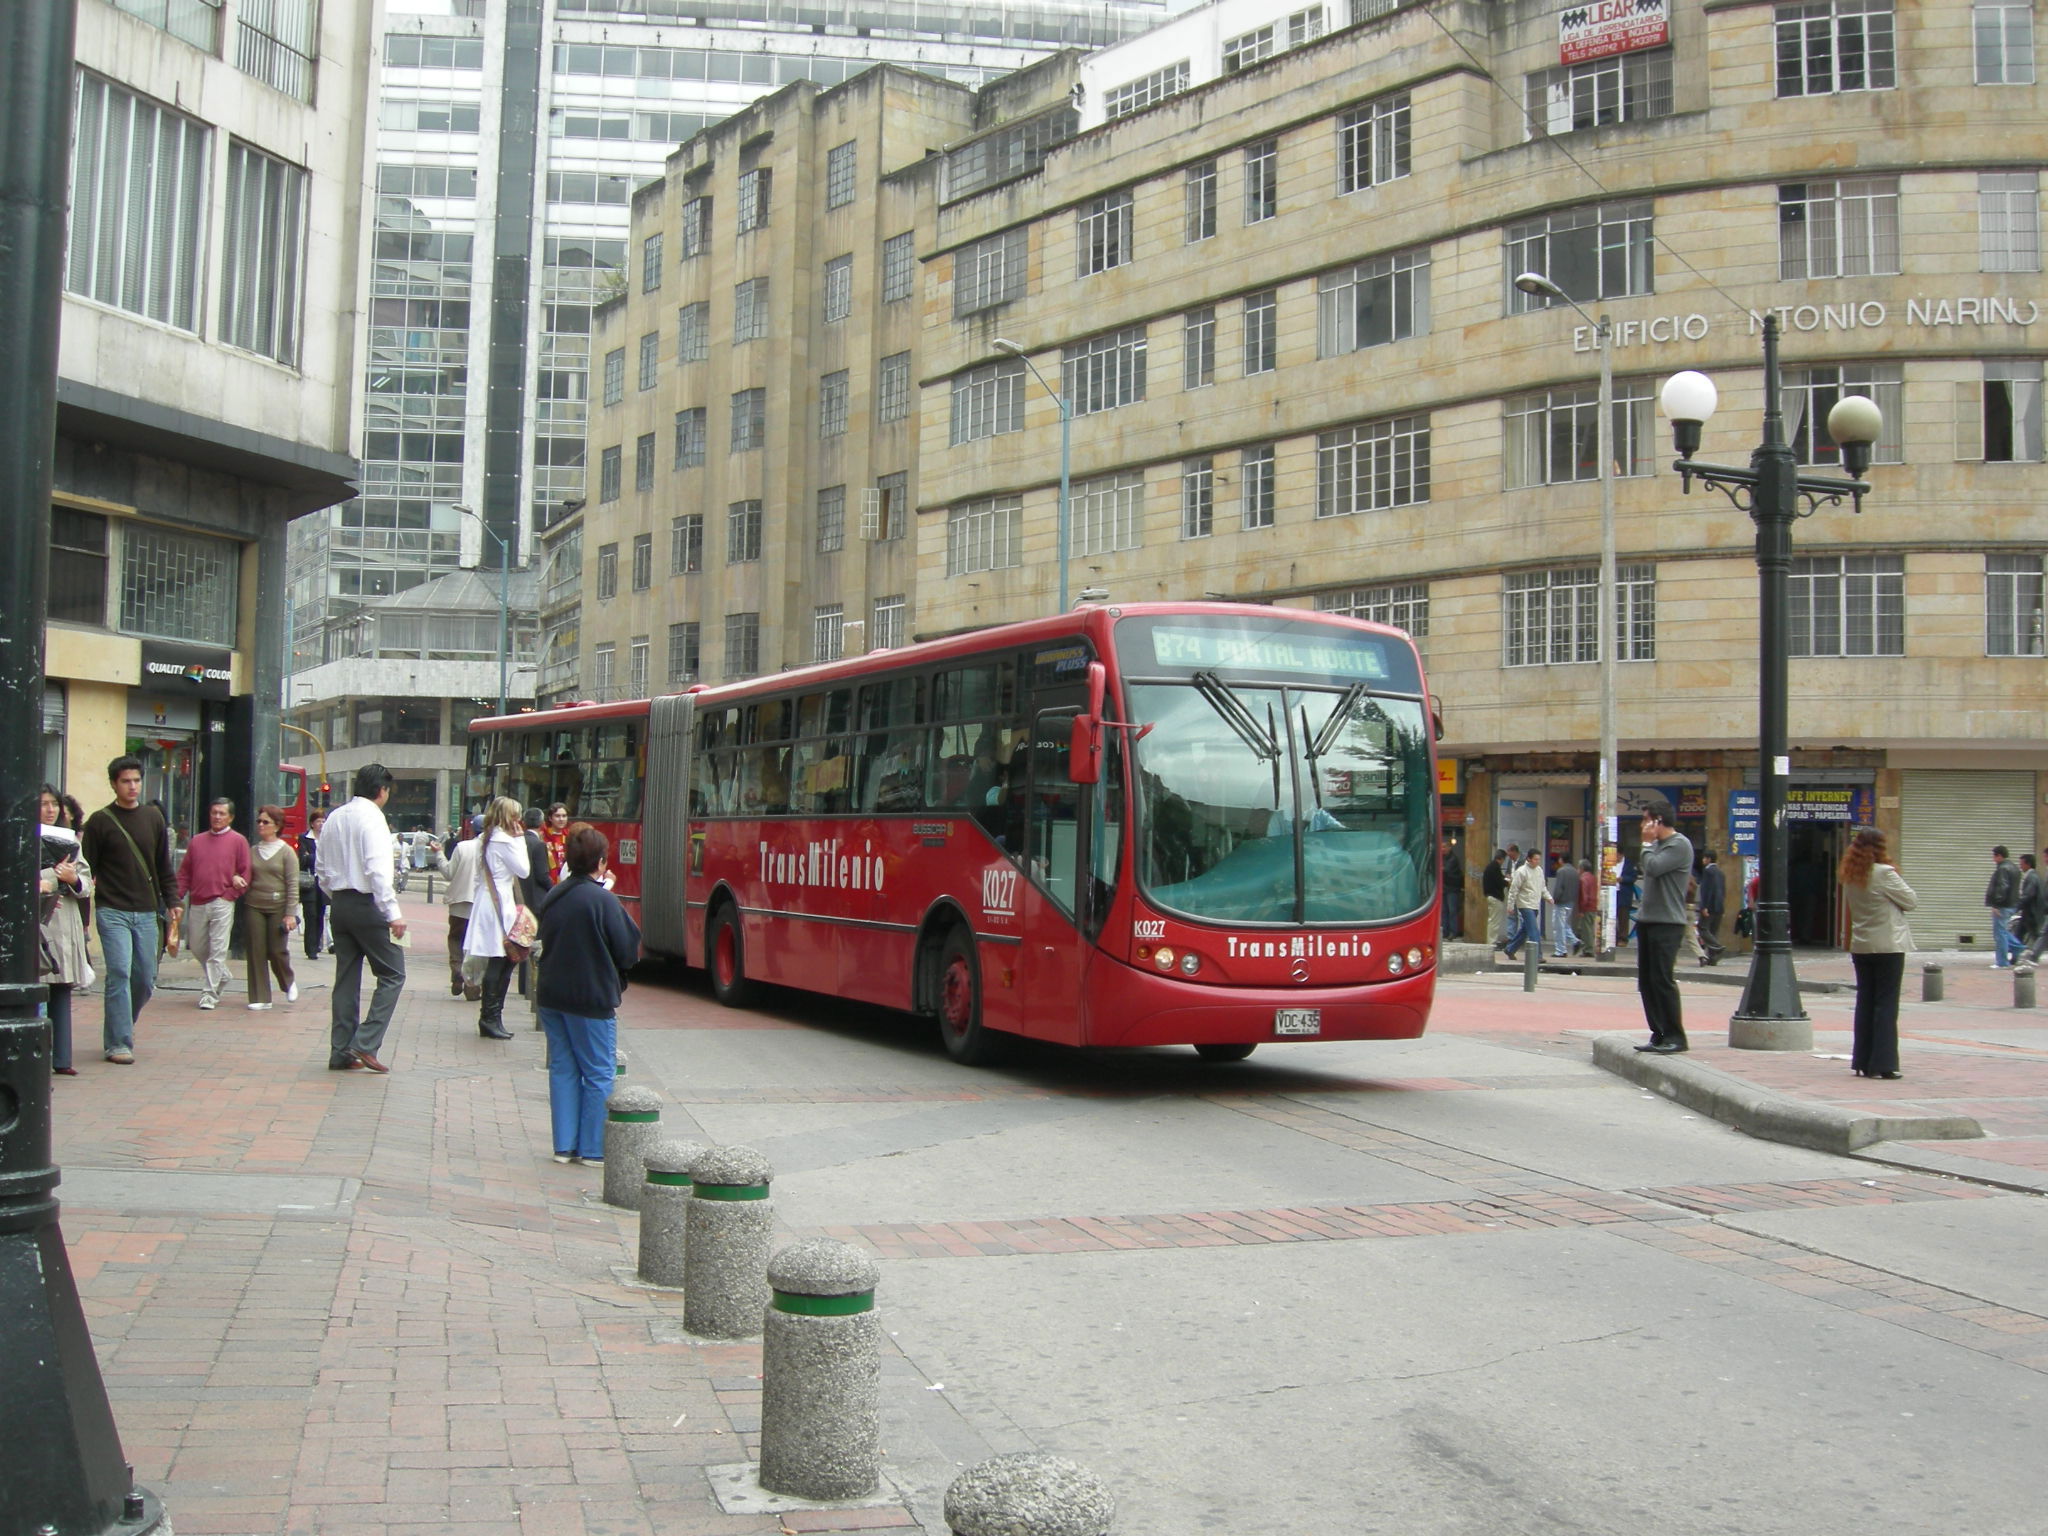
[(1773, 492)]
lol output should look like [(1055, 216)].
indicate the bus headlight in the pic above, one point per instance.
[(1163, 957), (1414, 958), (1395, 964), (1190, 963)]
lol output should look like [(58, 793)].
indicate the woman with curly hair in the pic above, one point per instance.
[(1879, 900)]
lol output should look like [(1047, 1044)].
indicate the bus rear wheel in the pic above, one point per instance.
[(726, 956), (1224, 1052), (967, 1040)]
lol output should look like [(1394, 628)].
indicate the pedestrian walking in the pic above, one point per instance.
[(1564, 901), (1589, 908), (1493, 885), (64, 884), (1879, 900), (503, 867), (540, 877), (270, 911), (461, 897), (1664, 867), (1453, 891), (587, 944), (2032, 917), (356, 873), (1525, 905), (2002, 896), (312, 900), (1713, 901), (212, 877), (128, 847), (1627, 886)]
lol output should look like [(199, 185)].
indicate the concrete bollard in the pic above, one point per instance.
[(821, 1373), (1028, 1494), (2023, 989), (1931, 984), (1532, 962), (725, 1247), (632, 1124), (664, 1208)]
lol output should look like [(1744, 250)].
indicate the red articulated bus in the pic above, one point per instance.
[(294, 803), (1149, 824)]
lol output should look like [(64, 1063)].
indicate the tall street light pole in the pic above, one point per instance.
[(1066, 453), (1608, 774), (1773, 492), (504, 600)]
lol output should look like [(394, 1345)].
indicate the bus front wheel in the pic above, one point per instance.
[(1236, 1052), (967, 1040), (727, 958)]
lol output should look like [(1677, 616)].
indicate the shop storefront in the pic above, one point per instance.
[(1821, 808)]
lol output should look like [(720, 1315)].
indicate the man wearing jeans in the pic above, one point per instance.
[(128, 847), (2002, 896)]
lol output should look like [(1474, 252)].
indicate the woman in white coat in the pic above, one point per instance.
[(65, 885), (1879, 900), (501, 867)]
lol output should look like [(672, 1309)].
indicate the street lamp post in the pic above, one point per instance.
[(1771, 490), (1609, 772), (504, 600), (1066, 454)]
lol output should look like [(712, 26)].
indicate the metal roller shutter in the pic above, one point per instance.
[(1948, 825)]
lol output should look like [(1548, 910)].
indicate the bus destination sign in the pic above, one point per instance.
[(1178, 646)]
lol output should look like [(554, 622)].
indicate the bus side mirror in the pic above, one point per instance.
[(1436, 717), (1084, 750)]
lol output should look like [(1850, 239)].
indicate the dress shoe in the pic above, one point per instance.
[(1890, 1077), (369, 1062), (65, 1071), (494, 1031), (1663, 1048), (455, 987), (350, 1065)]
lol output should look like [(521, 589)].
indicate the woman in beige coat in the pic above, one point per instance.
[(1879, 900), (270, 911)]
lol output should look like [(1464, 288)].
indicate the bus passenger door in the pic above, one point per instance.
[(1046, 826)]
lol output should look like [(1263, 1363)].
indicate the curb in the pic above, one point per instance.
[(1711, 975), (1768, 1115)]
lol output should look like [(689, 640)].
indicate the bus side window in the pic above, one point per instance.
[(1106, 845), (764, 783), (895, 772)]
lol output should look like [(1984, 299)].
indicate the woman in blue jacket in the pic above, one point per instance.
[(587, 943)]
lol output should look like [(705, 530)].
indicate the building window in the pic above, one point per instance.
[(1847, 228), (609, 466), (636, 668), (1810, 393), (693, 333), (696, 226), (1103, 373), (1305, 26), (194, 21), (899, 267), (686, 544), (750, 310), (1635, 613), (1372, 466), (1372, 143), (1600, 251), (1835, 45), (1405, 606), (840, 161), (2005, 41), (754, 186), (690, 438), (78, 567), (1999, 420), (178, 586), (834, 394), (831, 519), (643, 462), (138, 204), (1847, 605), (892, 495), (749, 420), (1624, 88), (685, 654), (1261, 332), (607, 572), (988, 401), (1123, 100), (1198, 349), (989, 272), (2009, 220), (742, 645), (1255, 472), (828, 632), (890, 622), (984, 535), (2012, 605), (1261, 181), (742, 532), (892, 395), (650, 359), (838, 288), (1552, 437), (1102, 232), (615, 376), (1108, 514), (261, 269), (650, 263), (1198, 498), (604, 669), (1247, 49), (1372, 302), (1199, 192), (1551, 618)]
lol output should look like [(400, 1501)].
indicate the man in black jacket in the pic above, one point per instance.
[(534, 888), (2002, 896), (587, 943), (1493, 884), (1713, 897)]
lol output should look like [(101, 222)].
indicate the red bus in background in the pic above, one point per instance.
[(1173, 823), (294, 803)]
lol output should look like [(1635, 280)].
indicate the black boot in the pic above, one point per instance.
[(493, 1029)]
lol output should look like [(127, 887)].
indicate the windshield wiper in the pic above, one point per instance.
[(1327, 736), (1263, 740)]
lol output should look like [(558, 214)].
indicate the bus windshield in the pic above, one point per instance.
[(1280, 783)]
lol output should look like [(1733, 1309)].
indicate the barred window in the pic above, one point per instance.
[(179, 586), (1102, 232), (278, 42), (1847, 605), (828, 632), (1372, 143), (1247, 49), (838, 288), (899, 267), (1305, 26), (690, 438), (1123, 100), (892, 395), (1833, 46), (988, 401), (650, 263), (693, 333), (984, 535), (754, 188), (685, 654), (1002, 154), (650, 359), (603, 664), (2012, 605), (750, 310), (609, 467), (742, 645), (696, 226), (1198, 498), (1552, 436), (1108, 513), (742, 532), (1598, 251), (2004, 32), (1261, 181), (892, 492), (1372, 465), (831, 519), (1372, 302), (1255, 473), (1198, 349), (636, 668), (890, 623), (264, 235), (1104, 372), (840, 161), (1404, 606), (834, 394), (1199, 195), (1551, 618), (1846, 228), (643, 561), (607, 572), (686, 544), (989, 272), (749, 420), (1635, 613), (1261, 332), (2009, 220), (1999, 420), (643, 462), (138, 204), (1810, 393), (1623, 88), (615, 376)]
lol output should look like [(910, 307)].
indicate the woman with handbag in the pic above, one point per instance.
[(65, 885), (501, 929), (1879, 900)]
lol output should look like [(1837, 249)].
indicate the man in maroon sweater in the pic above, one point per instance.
[(212, 878)]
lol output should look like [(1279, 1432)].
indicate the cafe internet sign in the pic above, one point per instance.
[(1608, 27)]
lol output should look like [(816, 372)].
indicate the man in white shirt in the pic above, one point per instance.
[(355, 872)]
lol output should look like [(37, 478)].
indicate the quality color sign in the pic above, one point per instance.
[(1609, 27)]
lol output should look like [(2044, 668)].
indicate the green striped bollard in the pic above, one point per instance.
[(821, 1373), (664, 1208), (1028, 1494), (725, 1247), (632, 1124)]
